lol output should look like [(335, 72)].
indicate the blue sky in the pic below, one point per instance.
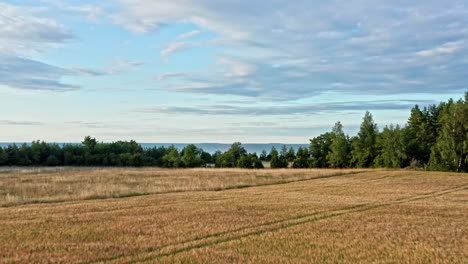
[(223, 71)]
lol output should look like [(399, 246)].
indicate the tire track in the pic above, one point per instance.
[(227, 236), (145, 195)]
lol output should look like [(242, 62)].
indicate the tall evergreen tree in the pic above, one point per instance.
[(421, 132), (291, 155), (274, 162), (302, 158), (364, 152)]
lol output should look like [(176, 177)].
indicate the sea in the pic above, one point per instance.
[(208, 147)]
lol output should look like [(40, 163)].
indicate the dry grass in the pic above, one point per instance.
[(370, 217), (41, 185)]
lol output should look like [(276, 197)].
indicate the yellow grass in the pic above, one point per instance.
[(23, 186), (369, 217)]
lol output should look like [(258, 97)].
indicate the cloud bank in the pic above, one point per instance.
[(283, 50)]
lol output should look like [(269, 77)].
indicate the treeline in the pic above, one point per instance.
[(434, 138), (123, 154)]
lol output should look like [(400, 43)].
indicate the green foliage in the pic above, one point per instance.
[(392, 148), (191, 157), (302, 158), (3, 157), (172, 158), (450, 151), (237, 150), (274, 161), (319, 149), (364, 148), (291, 155), (249, 161), (338, 154), (278, 161), (226, 160), (421, 132)]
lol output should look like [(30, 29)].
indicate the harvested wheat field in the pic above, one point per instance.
[(90, 215)]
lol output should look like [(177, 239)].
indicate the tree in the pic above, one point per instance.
[(3, 157), (226, 160), (237, 150), (52, 160), (264, 156), (89, 142), (302, 158), (23, 158), (250, 161), (206, 157), (421, 132), (12, 155), (191, 157), (319, 148), (393, 150), (278, 161), (338, 155), (274, 162), (450, 151), (172, 158), (364, 149), (290, 155)]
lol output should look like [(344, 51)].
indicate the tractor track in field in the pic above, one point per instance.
[(153, 254), (143, 194)]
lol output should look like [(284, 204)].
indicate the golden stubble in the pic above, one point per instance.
[(41, 185), (376, 216)]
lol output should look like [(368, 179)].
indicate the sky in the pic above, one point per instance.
[(193, 71)]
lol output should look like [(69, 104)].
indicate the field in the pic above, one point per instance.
[(94, 215)]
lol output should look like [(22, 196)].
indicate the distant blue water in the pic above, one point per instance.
[(208, 147)]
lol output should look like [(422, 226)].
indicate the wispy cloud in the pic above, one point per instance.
[(303, 109), (174, 47), (188, 34), (23, 32), (90, 71), (305, 48), (128, 63), (20, 123), (171, 75), (20, 73), (444, 49)]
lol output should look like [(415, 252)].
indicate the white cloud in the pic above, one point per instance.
[(189, 34), (444, 49), (319, 45), (174, 47), (23, 32), (171, 75), (25, 74), (128, 63)]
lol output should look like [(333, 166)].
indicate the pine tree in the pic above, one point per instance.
[(364, 151), (274, 162)]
